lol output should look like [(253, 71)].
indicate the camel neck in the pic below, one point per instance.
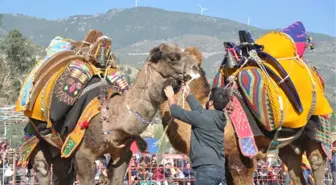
[(143, 98)]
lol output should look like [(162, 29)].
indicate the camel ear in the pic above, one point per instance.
[(155, 55)]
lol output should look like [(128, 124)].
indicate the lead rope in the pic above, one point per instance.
[(161, 139)]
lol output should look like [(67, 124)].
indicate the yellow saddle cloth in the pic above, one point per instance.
[(63, 88), (305, 79)]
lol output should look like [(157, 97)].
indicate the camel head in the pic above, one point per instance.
[(196, 53), (174, 64)]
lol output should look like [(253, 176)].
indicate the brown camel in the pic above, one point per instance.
[(126, 117), (240, 169)]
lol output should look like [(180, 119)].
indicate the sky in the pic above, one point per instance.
[(270, 14)]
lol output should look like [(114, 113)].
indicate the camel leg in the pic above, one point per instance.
[(61, 174), (116, 171), (317, 160), (293, 162), (241, 168), (41, 165), (85, 167), (228, 175)]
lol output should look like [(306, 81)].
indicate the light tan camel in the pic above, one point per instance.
[(240, 169), (126, 116)]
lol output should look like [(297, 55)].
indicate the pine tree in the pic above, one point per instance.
[(19, 52)]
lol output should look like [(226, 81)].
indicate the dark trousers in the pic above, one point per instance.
[(209, 174)]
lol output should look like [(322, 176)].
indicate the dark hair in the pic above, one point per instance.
[(220, 97)]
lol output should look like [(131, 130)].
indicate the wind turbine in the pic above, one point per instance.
[(136, 3), (248, 20), (202, 9)]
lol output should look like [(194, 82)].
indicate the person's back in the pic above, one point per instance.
[(207, 134), (207, 141)]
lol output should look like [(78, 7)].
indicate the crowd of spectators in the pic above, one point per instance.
[(175, 169), (150, 169), (269, 173)]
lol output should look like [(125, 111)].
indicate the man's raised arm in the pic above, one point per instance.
[(193, 103)]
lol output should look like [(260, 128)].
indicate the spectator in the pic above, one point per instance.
[(307, 170), (307, 174), (271, 178), (167, 171), (188, 171), (287, 178), (263, 174), (179, 174), (142, 172), (333, 163), (167, 160), (159, 174), (133, 161), (134, 172)]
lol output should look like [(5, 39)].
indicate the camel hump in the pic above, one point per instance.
[(270, 103), (94, 49), (289, 42), (278, 44), (58, 51), (275, 102)]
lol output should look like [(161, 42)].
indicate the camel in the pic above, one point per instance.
[(121, 119), (240, 169), (179, 133)]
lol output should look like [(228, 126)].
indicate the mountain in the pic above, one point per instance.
[(126, 26), (136, 30)]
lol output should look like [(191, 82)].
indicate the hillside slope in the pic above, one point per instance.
[(136, 30)]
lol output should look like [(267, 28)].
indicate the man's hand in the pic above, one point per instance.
[(187, 90), (169, 92)]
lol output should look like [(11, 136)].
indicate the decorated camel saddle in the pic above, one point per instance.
[(277, 85), (72, 71)]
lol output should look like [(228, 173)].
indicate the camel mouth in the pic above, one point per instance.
[(192, 74)]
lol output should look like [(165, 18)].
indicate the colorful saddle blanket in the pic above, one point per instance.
[(59, 54), (298, 33), (57, 45), (64, 88), (268, 101), (55, 83), (69, 92), (239, 120), (61, 92), (277, 99), (86, 112)]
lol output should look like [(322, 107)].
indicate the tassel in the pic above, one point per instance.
[(84, 124)]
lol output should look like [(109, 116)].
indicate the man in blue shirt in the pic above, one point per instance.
[(333, 162), (207, 133)]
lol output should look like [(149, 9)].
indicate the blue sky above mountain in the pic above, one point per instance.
[(317, 16)]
